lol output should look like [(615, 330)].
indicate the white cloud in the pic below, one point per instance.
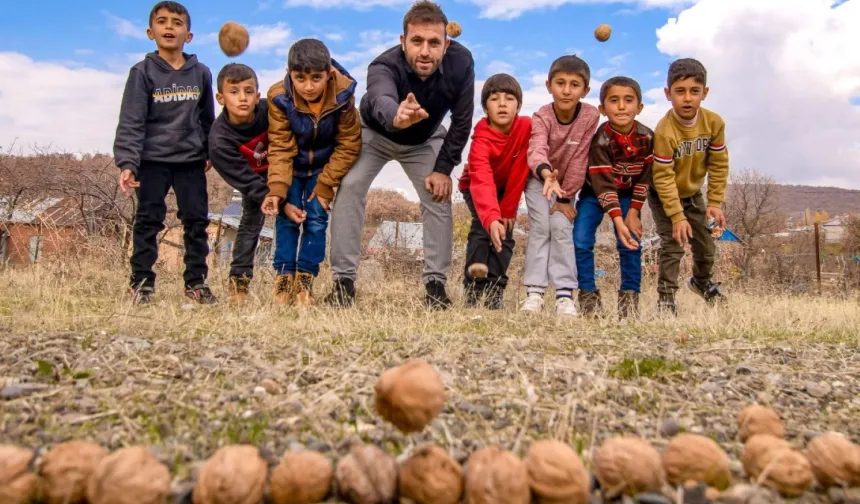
[(782, 74), (125, 28), (340, 4), (498, 66), (336, 37)]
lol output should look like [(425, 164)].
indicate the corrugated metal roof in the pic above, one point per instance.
[(51, 211), (232, 221)]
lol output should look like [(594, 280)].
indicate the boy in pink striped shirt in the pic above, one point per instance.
[(558, 159)]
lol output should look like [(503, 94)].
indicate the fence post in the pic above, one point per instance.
[(817, 259), (396, 233)]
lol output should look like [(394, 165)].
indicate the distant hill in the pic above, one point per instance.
[(795, 199)]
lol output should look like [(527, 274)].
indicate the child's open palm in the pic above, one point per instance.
[(624, 234), (551, 186)]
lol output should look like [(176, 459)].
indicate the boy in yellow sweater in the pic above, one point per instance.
[(689, 144)]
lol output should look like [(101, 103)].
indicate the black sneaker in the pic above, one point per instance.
[(436, 297), (473, 292), (141, 295), (201, 294), (342, 294), (496, 298), (590, 302), (666, 305), (711, 293)]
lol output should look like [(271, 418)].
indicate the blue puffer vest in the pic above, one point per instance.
[(315, 141)]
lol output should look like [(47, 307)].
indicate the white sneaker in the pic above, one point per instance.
[(533, 303), (565, 307)]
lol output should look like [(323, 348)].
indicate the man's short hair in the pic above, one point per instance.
[(424, 12), (687, 68), (501, 83), (173, 8), (620, 81), (309, 55), (571, 64), (236, 72)]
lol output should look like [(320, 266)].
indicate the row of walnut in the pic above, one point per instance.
[(409, 397)]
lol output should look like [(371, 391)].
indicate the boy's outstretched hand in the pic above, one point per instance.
[(127, 181), (682, 232), (295, 213), (624, 234), (497, 234), (551, 185), (718, 216), (409, 112), (270, 205), (323, 202), (566, 208), (633, 223)]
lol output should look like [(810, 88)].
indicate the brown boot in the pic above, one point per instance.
[(237, 289), (590, 302), (305, 289), (628, 304), (284, 289)]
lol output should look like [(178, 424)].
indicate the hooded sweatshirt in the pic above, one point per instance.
[(239, 152), (563, 146), (497, 163)]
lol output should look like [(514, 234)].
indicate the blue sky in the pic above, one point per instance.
[(784, 74)]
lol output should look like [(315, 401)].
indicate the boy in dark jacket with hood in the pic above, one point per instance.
[(314, 139), (161, 142), (238, 145)]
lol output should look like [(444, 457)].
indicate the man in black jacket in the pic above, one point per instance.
[(410, 88)]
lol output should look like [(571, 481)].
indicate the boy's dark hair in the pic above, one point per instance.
[(309, 55), (424, 12), (501, 83), (173, 8), (687, 68), (571, 64), (620, 81), (235, 72)]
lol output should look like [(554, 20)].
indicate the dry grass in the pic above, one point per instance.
[(187, 379)]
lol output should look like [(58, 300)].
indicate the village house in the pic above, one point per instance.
[(34, 229)]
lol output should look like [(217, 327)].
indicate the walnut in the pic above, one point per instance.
[(757, 419), (777, 465), (628, 465), (835, 460), (556, 474), (410, 395), (496, 476), (366, 475), (431, 476), (18, 484), (129, 476), (697, 458), (233, 38), (235, 474), (602, 32), (302, 477), (454, 29), (65, 469)]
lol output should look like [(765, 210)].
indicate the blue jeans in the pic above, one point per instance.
[(289, 258), (588, 218)]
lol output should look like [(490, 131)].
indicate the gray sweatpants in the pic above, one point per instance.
[(347, 218), (550, 256)]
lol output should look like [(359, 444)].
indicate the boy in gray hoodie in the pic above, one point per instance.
[(161, 142)]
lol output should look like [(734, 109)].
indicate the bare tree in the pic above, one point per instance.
[(752, 210)]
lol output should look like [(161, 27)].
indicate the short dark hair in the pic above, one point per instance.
[(424, 12), (687, 68), (172, 7), (620, 81), (501, 83), (570, 64), (309, 55), (236, 72)]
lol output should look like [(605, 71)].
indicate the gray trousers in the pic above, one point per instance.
[(347, 218), (550, 256)]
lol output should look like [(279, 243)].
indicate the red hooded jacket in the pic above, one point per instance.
[(497, 162)]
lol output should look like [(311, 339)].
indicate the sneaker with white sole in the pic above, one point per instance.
[(533, 303), (565, 307)]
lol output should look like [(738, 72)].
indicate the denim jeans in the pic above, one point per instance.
[(589, 216), (301, 247)]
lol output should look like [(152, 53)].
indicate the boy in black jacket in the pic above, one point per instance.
[(238, 147), (161, 142)]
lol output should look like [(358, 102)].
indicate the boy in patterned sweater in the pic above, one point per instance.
[(558, 159), (619, 172), (689, 144)]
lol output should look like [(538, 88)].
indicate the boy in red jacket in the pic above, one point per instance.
[(492, 184)]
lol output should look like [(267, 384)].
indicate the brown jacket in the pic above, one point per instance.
[(294, 146)]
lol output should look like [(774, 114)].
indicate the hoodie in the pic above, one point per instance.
[(239, 152), (166, 114), (497, 164), (306, 143), (563, 147)]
